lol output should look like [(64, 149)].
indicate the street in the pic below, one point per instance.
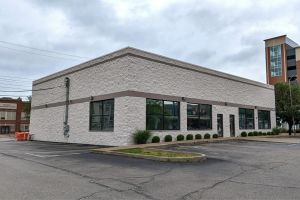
[(233, 170)]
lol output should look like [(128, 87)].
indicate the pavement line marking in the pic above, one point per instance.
[(36, 155), (41, 152), (49, 156)]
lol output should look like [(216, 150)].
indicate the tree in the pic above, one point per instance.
[(287, 101), (27, 107)]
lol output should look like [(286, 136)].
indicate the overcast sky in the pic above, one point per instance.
[(218, 34)]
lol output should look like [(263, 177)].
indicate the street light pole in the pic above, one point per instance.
[(290, 78)]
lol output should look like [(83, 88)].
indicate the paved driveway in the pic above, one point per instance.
[(234, 170)]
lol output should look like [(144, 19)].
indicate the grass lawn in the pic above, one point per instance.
[(155, 152)]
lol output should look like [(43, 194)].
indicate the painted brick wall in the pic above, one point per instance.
[(131, 73)]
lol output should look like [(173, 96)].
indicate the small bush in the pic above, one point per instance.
[(250, 134), (168, 138), (269, 133), (260, 133), (243, 134), (189, 137), (215, 136), (255, 133), (272, 133), (283, 130), (141, 136), (155, 139), (207, 136), (264, 134), (276, 130), (198, 136), (180, 137)]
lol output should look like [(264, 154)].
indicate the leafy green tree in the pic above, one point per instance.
[(27, 107), (287, 101)]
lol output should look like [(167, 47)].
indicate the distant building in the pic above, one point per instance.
[(13, 117), (282, 60), (105, 100)]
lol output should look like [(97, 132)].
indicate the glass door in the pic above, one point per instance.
[(232, 125), (220, 124)]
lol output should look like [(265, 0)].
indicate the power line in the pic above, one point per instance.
[(42, 89), (29, 52), (11, 96), (37, 49), (13, 84), (16, 77), (18, 80)]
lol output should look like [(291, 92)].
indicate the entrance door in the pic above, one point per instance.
[(220, 124), (232, 125), (4, 129)]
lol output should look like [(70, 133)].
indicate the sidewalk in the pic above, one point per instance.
[(280, 139), (7, 137)]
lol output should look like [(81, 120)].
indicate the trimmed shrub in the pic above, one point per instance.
[(198, 136), (276, 130), (264, 134), (272, 133), (180, 137), (141, 136), (250, 134), (255, 133), (207, 136), (283, 130), (155, 139), (243, 134), (189, 137), (215, 136), (168, 138), (260, 133), (269, 133)]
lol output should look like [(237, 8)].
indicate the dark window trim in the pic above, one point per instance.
[(163, 115), (245, 128), (199, 116), (90, 117), (269, 124)]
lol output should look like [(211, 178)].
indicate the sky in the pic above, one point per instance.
[(39, 37)]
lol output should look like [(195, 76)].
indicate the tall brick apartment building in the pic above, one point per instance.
[(282, 60), (13, 117)]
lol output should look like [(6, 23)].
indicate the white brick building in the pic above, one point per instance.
[(193, 99)]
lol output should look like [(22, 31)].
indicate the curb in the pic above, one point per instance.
[(197, 158)]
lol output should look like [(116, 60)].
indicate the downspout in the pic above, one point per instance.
[(66, 125)]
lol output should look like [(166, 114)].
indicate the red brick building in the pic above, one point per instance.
[(282, 60), (13, 117)]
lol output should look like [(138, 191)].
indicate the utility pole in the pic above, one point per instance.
[(290, 78), (66, 125)]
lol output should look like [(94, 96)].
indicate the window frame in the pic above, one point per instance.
[(246, 119), (269, 118), (101, 116), (276, 61), (163, 115), (199, 117)]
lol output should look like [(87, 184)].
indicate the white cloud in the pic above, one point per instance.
[(224, 35)]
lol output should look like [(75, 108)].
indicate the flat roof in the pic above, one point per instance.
[(275, 37), (130, 51)]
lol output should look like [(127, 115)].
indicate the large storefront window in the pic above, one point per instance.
[(275, 61), (102, 115), (246, 117), (162, 115), (264, 121), (199, 117)]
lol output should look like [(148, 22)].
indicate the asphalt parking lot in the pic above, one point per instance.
[(233, 170)]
